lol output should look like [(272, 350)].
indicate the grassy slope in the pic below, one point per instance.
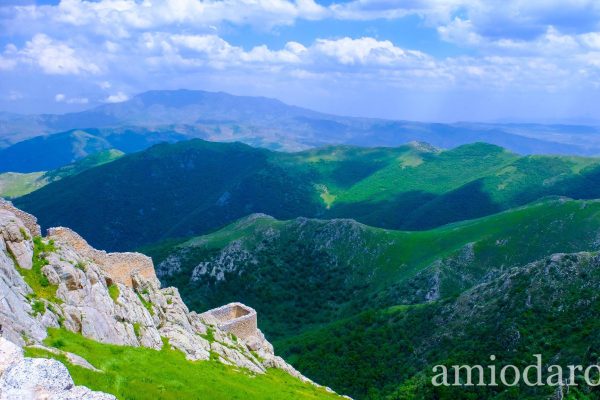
[(303, 273), (197, 187), (14, 184), (132, 373)]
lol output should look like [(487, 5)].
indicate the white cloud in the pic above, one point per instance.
[(52, 57), (460, 31), (125, 44), (118, 97), (211, 50), (367, 51), (62, 98), (118, 18), (433, 11)]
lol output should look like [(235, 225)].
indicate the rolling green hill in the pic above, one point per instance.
[(195, 187), (303, 272), (549, 307), (368, 311), (13, 184)]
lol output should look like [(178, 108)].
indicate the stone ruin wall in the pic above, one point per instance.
[(29, 220), (235, 318), (118, 266)]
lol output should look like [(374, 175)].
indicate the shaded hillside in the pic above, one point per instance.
[(45, 153), (195, 187), (303, 273)]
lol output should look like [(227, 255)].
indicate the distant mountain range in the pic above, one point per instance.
[(171, 116)]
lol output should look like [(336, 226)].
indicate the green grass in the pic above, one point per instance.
[(114, 292), (147, 304), (81, 266), (38, 307), (132, 373), (13, 184), (34, 277), (137, 330), (209, 335)]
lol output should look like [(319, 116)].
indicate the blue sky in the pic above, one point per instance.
[(434, 60)]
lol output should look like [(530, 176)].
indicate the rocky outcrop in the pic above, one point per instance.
[(15, 311), (38, 378), (108, 297), (16, 239), (28, 220)]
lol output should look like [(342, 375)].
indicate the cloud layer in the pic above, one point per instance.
[(107, 50)]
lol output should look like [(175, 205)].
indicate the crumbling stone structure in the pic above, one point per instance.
[(118, 266), (236, 318)]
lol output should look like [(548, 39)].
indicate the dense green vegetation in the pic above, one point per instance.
[(91, 161), (132, 373), (14, 184), (368, 311), (196, 187), (547, 308), (303, 273)]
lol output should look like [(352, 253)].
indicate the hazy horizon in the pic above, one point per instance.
[(423, 60), (581, 120)]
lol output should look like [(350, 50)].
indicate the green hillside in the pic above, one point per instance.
[(368, 311), (304, 273), (13, 184), (196, 187), (140, 373), (549, 307)]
